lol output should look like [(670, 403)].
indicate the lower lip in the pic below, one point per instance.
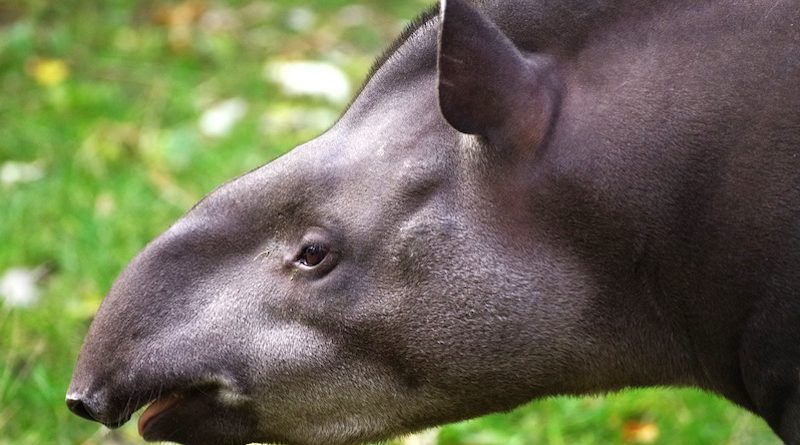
[(156, 410)]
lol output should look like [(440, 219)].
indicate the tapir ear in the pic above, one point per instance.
[(487, 86)]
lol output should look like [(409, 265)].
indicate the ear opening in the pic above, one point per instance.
[(487, 86)]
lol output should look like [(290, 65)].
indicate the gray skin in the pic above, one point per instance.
[(527, 198)]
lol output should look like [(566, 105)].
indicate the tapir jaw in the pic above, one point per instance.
[(210, 412), (199, 416)]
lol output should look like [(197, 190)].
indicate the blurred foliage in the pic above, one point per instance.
[(102, 146)]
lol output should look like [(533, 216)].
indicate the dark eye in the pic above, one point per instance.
[(312, 254)]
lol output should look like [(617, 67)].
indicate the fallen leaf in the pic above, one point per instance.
[(309, 78), (640, 432), (220, 20), (12, 172), (19, 286), (427, 437), (301, 19), (182, 14), (219, 119), (48, 72), (180, 20)]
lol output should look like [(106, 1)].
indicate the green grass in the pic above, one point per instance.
[(122, 156)]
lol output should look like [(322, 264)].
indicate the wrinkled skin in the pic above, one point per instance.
[(524, 200)]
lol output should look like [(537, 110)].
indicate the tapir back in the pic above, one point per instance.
[(685, 126)]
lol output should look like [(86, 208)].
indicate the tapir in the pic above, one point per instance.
[(527, 198)]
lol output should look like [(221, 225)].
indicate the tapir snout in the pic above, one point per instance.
[(527, 199), (184, 360)]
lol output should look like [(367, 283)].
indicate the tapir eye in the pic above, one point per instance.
[(312, 254), (318, 254)]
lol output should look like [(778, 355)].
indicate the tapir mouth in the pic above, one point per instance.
[(157, 409), (174, 416)]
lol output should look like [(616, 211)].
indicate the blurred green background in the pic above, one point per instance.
[(117, 115)]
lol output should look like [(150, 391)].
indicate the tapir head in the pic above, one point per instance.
[(407, 268)]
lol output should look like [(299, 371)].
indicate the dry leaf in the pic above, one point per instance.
[(640, 432), (48, 72), (309, 78), (218, 120), (182, 14), (179, 20), (19, 286), (12, 172), (427, 437)]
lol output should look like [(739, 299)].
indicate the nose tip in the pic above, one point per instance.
[(79, 408), (95, 412)]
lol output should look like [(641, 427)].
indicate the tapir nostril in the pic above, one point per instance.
[(78, 407)]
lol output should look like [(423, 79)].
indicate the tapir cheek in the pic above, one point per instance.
[(289, 347)]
